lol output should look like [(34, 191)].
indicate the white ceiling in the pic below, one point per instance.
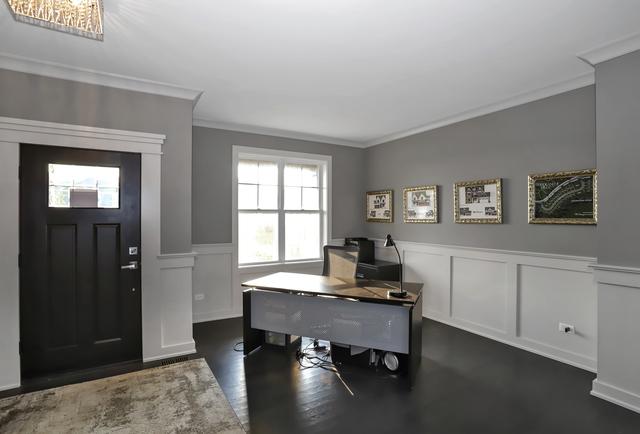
[(349, 71)]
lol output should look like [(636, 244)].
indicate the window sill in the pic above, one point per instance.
[(279, 266)]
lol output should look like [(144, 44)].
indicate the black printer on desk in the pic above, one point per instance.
[(368, 266)]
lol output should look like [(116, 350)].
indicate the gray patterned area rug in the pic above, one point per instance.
[(182, 397)]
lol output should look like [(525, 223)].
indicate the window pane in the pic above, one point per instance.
[(310, 198), (268, 197), (257, 237), (268, 173), (72, 186), (292, 198), (309, 176), (248, 172), (247, 196), (293, 175), (302, 236)]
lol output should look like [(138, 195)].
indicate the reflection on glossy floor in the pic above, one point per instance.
[(466, 384)]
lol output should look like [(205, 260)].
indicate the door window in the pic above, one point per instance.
[(73, 186)]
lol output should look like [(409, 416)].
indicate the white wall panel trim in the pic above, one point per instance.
[(617, 275), (519, 300)]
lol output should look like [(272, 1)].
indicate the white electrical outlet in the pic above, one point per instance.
[(199, 297), (566, 328)]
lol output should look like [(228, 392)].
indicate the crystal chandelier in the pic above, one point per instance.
[(79, 17)]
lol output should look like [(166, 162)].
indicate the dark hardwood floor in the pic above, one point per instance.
[(466, 384)]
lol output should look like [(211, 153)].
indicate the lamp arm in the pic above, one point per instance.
[(399, 262)]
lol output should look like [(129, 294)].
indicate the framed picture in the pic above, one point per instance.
[(380, 206), (420, 204), (478, 201), (569, 198)]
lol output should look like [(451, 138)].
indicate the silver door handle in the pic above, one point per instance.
[(133, 265)]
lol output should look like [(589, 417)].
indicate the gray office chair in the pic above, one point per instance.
[(340, 261)]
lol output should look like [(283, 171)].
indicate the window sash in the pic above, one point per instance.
[(281, 211)]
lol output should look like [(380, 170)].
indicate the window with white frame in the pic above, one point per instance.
[(281, 207)]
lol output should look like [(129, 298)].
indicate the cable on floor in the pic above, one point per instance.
[(319, 357)]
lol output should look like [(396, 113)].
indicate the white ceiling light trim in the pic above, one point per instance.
[(64, 72), (611, 50), (276, 133), (581, 80)]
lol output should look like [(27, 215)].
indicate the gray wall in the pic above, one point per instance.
[(618, 125), (556, 133), (212, 172), (47, 99)]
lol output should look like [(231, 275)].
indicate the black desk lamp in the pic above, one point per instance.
[(401, 293)]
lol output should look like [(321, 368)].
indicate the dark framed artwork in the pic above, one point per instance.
[(569, 198)]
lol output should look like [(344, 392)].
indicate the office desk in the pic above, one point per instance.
[(346, 311)]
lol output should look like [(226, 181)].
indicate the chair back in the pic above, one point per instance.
[(340, 261)]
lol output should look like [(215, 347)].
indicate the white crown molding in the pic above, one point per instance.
[(611, 50), (275, 132), (65, 72), (577, 82)]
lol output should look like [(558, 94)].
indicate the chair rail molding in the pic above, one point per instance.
[(155, 344)]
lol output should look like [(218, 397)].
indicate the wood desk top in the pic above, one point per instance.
[(361, 289)]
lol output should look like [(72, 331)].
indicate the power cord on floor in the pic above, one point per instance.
[(318, 357), (239, 350)]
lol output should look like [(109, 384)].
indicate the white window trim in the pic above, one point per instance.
[(244, 152)]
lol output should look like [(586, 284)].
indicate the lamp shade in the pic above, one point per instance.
[(389, 241)]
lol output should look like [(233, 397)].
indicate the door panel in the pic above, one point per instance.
[(107, 282), (78, 308)]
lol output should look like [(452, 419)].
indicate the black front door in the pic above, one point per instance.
[(79, 226)]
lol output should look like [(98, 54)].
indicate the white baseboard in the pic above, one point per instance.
[(176, 350), (552, 353), (618, 396), (9, 386), (214, 316)]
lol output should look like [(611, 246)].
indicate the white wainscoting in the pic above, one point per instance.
[(212, 277), (217, 290), (175, 308), (619, 331), (514, 297)]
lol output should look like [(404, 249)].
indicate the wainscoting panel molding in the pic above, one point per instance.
[(212, 287), (176, 280), (619, 335), (518, 298)]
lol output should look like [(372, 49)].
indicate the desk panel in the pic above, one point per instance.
[(340, 320)]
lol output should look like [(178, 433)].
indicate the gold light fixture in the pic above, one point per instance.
[(79, 17)]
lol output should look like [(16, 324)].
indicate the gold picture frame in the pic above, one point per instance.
[(379, 206), (424, 198), (580, 189), (482, 197)]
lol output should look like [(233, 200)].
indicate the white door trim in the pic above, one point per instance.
[(12, 133)]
